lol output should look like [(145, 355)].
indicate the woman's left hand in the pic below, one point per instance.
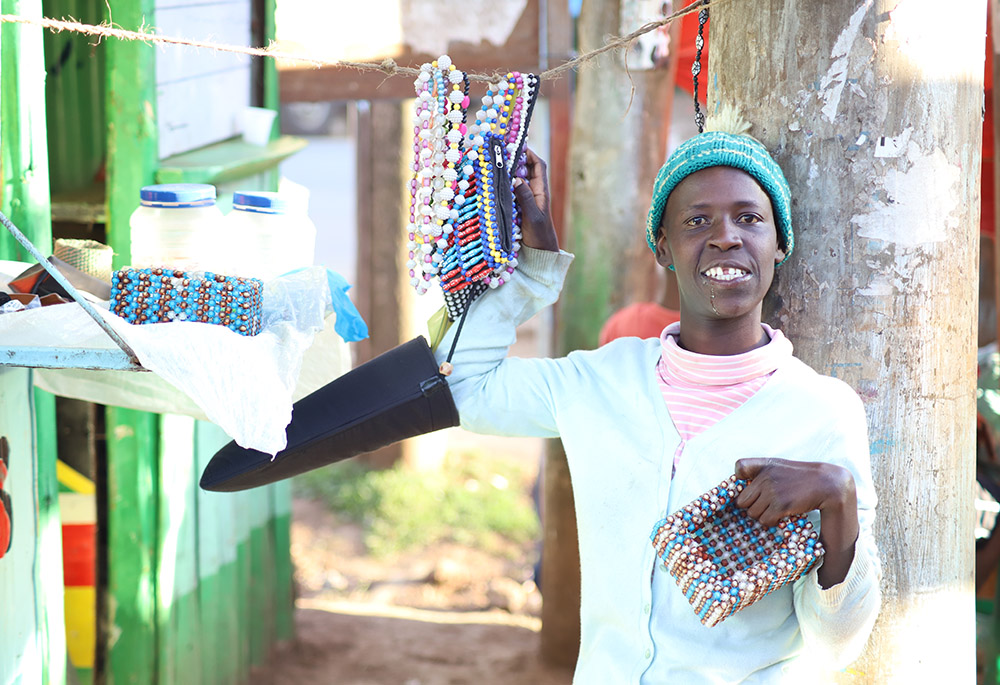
[(777, 488)]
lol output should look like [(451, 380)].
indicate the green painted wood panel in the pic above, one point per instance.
[(260, 577), (244, 614), (133, 466), (178, 627), (239, 562), (284, 590), (217, 545), (133, 501), (23, 147), (272, 95), (261, 583), (272, 98), (130, 107)]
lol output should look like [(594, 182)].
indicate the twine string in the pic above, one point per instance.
[(387, 66)]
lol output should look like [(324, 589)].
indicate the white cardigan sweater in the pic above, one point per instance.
[(605, 405)]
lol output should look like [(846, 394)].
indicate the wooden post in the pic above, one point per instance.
[(558, 48), (382, 219), (654, 98), (874, 112), (618, 142), (560, 635), (606, 211), (995, 56)]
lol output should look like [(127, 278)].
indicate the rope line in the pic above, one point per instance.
[(387, 66)]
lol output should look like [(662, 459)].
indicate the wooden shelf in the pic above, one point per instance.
[(86, 206), (67, 358), (227, 161)]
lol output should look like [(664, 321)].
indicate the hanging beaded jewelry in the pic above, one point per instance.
[(699, 43), (723, 560), (442, 96), (464, 227)]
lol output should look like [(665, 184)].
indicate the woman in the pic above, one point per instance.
[(650, 425)]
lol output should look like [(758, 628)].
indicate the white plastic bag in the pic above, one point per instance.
[(246, 385)]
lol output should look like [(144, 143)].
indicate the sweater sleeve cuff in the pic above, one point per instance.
[(857, 576), (544, 266)]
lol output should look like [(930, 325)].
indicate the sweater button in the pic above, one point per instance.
[(648, 653), (646, 609)]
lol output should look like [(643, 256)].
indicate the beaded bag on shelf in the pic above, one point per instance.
[(464, 228), (723, 560), (162, 295)]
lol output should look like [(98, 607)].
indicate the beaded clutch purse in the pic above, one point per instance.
[(162, 295), (464, 228), (723, 560)]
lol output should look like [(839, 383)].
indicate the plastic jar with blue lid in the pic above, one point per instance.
[(273, 233), (179, 226)]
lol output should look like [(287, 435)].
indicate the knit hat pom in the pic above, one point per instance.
[(728, 120)]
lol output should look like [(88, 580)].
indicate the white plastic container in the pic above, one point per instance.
[(179, 226), (272, 235)]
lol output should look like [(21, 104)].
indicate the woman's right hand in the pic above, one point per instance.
[(532, 195)]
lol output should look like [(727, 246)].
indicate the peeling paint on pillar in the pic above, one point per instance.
[(832, 84), (914, 206), (881, 152)]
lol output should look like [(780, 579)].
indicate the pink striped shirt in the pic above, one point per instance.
[(700, 389)]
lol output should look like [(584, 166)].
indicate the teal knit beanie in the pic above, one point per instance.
[(719, 148)]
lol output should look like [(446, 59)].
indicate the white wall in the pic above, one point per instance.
[(200, 93)]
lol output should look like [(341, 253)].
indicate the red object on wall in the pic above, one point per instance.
[(79, 543), (6, 523), (686, 52), (6, 507)]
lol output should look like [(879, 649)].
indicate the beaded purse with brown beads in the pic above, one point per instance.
[(163, 295), (723, 560)]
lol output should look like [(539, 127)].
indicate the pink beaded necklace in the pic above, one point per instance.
[(437, 132)]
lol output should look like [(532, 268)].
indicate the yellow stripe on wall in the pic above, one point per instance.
[(74, 480), (81, 607)]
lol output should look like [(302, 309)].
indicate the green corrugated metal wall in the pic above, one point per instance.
[(74, 96), (199, 585)]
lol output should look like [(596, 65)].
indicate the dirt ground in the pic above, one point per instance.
[(445, 615), (336, 646)]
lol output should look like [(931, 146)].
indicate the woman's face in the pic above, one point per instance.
[(719, 234)]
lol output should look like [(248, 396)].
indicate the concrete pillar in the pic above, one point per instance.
[(874, 111)]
